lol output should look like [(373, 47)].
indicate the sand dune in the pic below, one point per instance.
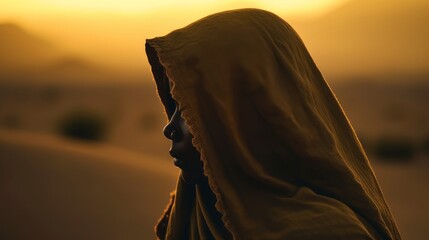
[(56, 189), (21, 50)]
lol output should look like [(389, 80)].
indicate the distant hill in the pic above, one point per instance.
[(25, 57), (20, 49), (365, 37)]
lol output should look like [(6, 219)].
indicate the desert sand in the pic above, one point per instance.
[(52, 188)]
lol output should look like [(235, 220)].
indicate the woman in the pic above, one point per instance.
[(265, 149)]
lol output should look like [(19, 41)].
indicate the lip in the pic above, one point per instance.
[(178, 162)]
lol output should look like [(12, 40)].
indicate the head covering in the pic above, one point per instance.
[(280, 155)]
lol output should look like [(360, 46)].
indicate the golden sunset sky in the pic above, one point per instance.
[(12, 8), (108, 31), (344, 36)]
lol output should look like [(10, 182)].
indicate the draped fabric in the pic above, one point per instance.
[(281, 157)]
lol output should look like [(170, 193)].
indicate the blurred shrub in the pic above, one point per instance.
[(83, 125), (394, 149)]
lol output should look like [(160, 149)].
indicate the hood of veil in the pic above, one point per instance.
[(280, 155)]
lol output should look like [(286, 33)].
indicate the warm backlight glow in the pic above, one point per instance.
[(147, 6), (113, 32), (344, 36)]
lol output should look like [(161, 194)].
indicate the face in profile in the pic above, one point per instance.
[(184, 154)]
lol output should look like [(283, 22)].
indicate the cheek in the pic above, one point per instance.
[(187, 136), (187, 142)]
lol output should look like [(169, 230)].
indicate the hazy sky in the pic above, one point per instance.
[(364, 36), (10, 8), (114, 31)]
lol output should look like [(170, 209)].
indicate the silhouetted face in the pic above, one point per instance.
[(185, 155)]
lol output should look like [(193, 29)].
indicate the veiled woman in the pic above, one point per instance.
[(265, 149)]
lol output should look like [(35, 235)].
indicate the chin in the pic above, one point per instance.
[(192, 178)]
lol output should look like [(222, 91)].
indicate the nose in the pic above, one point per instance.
[(168, 129), (172, 130)]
